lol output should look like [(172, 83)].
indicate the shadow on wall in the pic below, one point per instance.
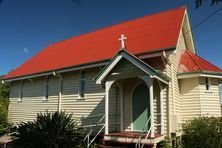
[(94, 117), (98, 112)]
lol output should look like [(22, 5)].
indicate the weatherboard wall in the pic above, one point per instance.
[(93, 103), (209, 99), (190, 98), (196, 100), (32, 101)]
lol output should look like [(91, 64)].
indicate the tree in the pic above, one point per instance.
[(198, 3), (49, 130), (4, 95)]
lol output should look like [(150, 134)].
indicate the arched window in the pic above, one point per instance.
[(82, 85), (46, 94), (21, 91)]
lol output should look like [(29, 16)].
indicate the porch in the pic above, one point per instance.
[(134, 111), (129, 124), (134, 100)]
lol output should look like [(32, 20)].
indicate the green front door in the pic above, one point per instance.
[(141, 109)]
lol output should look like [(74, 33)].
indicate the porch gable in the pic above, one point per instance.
[(123, 54)]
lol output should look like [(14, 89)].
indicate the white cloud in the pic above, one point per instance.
[(26, 50)]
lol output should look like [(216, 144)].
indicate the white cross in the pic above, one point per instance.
[(122, 38)]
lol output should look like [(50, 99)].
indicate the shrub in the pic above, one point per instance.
[(3, 115), (49, 130), (203, 132)]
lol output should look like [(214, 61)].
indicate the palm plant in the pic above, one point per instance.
[(49, 130)]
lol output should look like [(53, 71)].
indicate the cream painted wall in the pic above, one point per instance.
[(210, 102), (196, 100), (190, 98), (32, 102)]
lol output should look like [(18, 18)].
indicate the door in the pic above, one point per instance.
[(141, 107)]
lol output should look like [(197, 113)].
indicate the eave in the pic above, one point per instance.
[(62, 70), (210, 74)]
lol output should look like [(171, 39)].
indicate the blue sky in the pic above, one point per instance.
[(27, 26)]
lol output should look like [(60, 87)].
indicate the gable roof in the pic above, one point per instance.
[(150, 33), (135, 61), (191, 63)]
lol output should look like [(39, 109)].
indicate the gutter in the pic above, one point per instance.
[(62, 70), (200, 74)]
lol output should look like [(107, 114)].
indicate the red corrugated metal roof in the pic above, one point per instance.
[(153, 32), (190, 62)]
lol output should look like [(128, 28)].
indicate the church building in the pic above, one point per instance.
[(141, 75)]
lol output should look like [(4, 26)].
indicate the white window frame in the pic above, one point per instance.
[(21, 92), (220, 93), (46, 93), (81, 79), (207, 84)]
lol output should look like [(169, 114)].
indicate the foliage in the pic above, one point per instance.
[(49, 130), (4, 95), (4, 90), (3, 116), (198, 3), (203, 132), (165, 143)]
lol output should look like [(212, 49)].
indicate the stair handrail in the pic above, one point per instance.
[(87, 137), (90, 142), (143, 131), (90, 132), (146, 137)]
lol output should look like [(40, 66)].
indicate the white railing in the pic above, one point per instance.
[(92, 125), (87, 138), (147, 131)]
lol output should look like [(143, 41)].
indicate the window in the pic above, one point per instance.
[(207, 84), (82, 85), (21, 91), (46, 96)]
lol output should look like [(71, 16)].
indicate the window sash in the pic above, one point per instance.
[(82, 85), (46, 95), (208, 84)]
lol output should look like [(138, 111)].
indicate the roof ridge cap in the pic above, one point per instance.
[(189, 54), (120, 23)]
